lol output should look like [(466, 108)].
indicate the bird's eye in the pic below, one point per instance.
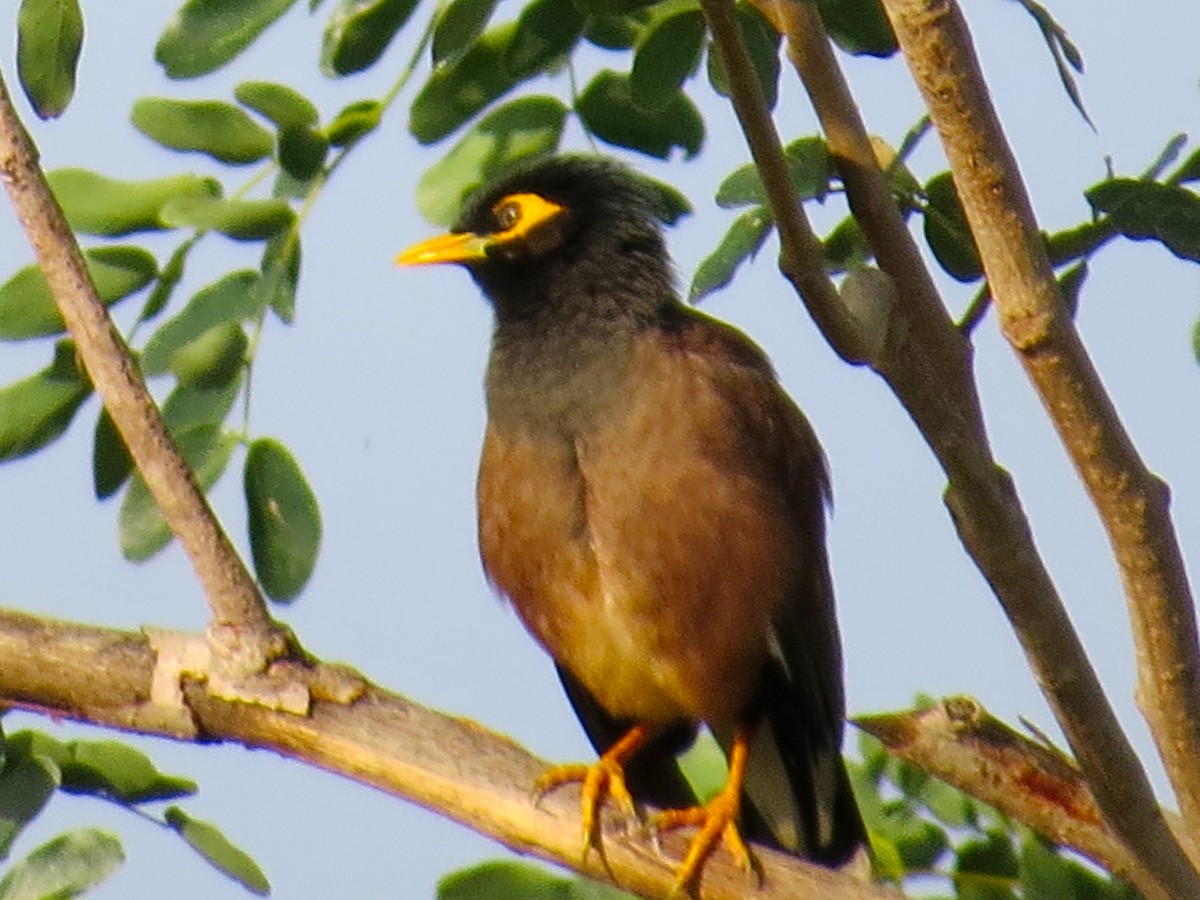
[(507, 214)]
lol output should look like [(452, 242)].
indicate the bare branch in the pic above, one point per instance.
[(1133, 504), (240, 625), (452, 766), (960, 743), (926, 361)]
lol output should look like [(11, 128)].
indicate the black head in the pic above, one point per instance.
[(565, 237)]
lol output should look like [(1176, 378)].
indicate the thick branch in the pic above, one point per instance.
[(240, 625), (927, 364), (1132, 502), (449, 765)]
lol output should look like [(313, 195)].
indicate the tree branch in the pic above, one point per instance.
[(1133, 504), (240, 625), (958, 742), (451, 766), (926, 361)]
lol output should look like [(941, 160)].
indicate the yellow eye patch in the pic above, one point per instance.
[(518, 214)]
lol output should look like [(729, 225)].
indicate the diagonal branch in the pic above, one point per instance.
[(927, 364), (240, 625), (1132, 503), (449, 765)]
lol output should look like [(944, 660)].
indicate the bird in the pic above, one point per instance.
[(653, 505)]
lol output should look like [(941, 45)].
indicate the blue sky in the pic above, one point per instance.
[(376, 388)]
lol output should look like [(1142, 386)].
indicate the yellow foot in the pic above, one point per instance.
[(717, 821), (603, 779)]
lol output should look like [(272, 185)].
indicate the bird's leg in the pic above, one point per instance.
[(603, 778), (717, 820)]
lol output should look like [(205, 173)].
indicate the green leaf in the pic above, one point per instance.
[(459, 24), (280, 273), (168, 280), (302, 151), (860, 27), (354, 120), (116, 771), (26, 784), (242, 220), (545, 33), (987, 868), (284, 520), (520, 130), (1144, 210), (667, 55), (234, 298), (740, 243), (1189, 169), (607, 110), (95, 204), (49, 37), (277, 103), (762, 45), (846, 247), (456, 92), (207, 840), (189, 405), (1066, 54), (218, 129), (947, 231), (810, 166), (111, 462), (206, 34), (358, 33), (214, 358), (141, 528), (502, 880), (64, 867), (27, 307)]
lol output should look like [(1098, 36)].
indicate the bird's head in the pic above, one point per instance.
[(559, 232)]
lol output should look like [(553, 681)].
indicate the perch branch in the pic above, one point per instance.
[(449, 765)]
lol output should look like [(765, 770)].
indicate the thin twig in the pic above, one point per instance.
[(240, 624), (1132, 503)]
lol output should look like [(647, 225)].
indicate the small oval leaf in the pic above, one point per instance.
[(277, 103), (607, 110), (64, 866), (49, 37), (459, 24), (206, 34), (1145, 210), (284, 520), (358, 33), (116, 771), (218, 129), (232, 299), (95, 204), (947, 231), (207, 840), (740, 243), (26, 784), (243, 220), (37, 409), (111, 462), (27, 307), (666, 57), (354, 120)]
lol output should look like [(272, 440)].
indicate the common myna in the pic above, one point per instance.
[(653, 505)]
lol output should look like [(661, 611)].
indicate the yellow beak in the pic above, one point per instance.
[(462, 247)]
